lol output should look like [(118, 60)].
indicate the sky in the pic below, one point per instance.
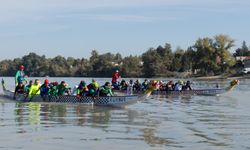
[(73, 28)]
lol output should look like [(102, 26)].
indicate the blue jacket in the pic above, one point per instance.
[(44, 90)]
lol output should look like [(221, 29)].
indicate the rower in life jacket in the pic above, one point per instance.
[(106, 90), (45, 88), (93, 88), (82, 89)]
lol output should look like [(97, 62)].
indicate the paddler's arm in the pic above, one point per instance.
[(78, 93), (30, 92), (111, 92), (16, 77)]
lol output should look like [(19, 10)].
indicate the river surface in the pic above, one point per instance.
[(157, 123)]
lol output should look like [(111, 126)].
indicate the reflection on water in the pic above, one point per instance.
[(160, 122), (80, 115)]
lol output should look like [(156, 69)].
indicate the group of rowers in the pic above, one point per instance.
[(137, 86), (160, 85), (92, 89), (56, 89)]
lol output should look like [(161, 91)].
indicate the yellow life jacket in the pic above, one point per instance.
[(34, 89)]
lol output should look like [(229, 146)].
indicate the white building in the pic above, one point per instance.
[(246, 62)]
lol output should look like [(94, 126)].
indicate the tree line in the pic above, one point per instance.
[(208, 56)]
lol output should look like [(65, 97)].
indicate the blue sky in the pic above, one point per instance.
[(73, 28)]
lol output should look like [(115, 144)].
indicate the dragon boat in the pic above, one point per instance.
[(113, 101), (208, 92)]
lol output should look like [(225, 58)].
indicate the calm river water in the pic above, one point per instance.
[(158, 123)]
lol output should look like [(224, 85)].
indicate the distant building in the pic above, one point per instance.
[(242, 58), (246, 63)]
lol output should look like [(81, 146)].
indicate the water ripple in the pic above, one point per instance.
[(160, 122)]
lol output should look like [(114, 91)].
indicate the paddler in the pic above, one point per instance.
[(27, 87), (82, 89), (45, 88), (115, 78), (178, 85), (62, 89), (35, 88), (19, 89), (93, 88), (19, 77), (106, 90)]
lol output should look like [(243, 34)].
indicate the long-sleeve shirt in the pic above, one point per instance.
[(34, 89), (44, 90), (115, 77), (19, 77), (106, 91)]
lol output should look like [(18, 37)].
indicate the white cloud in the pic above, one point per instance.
[(13, 6), (13, 11), (84, 4)]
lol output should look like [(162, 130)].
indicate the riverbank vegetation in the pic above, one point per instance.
[(207, 57)]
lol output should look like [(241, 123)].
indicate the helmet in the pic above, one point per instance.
[(82, 83), (181, 82), (46, 81), (131, 81), (21, 67), (55, 83)]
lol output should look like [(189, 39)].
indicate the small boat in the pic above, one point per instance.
[(114, 101)]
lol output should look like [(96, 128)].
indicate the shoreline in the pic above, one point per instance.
[(217, 77), (221, 77)]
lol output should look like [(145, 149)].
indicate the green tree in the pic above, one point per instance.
[(157, 62), (222, 45), (166, 57), (82, 67), (102, 65), (243, 51), (176, 64), (35, 65), (150, 63), (7, 68), (205, 58), (187, 60), (131, 67), (59, 67)]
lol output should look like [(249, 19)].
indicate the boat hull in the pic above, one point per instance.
[(114, 101), (208, 92)]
